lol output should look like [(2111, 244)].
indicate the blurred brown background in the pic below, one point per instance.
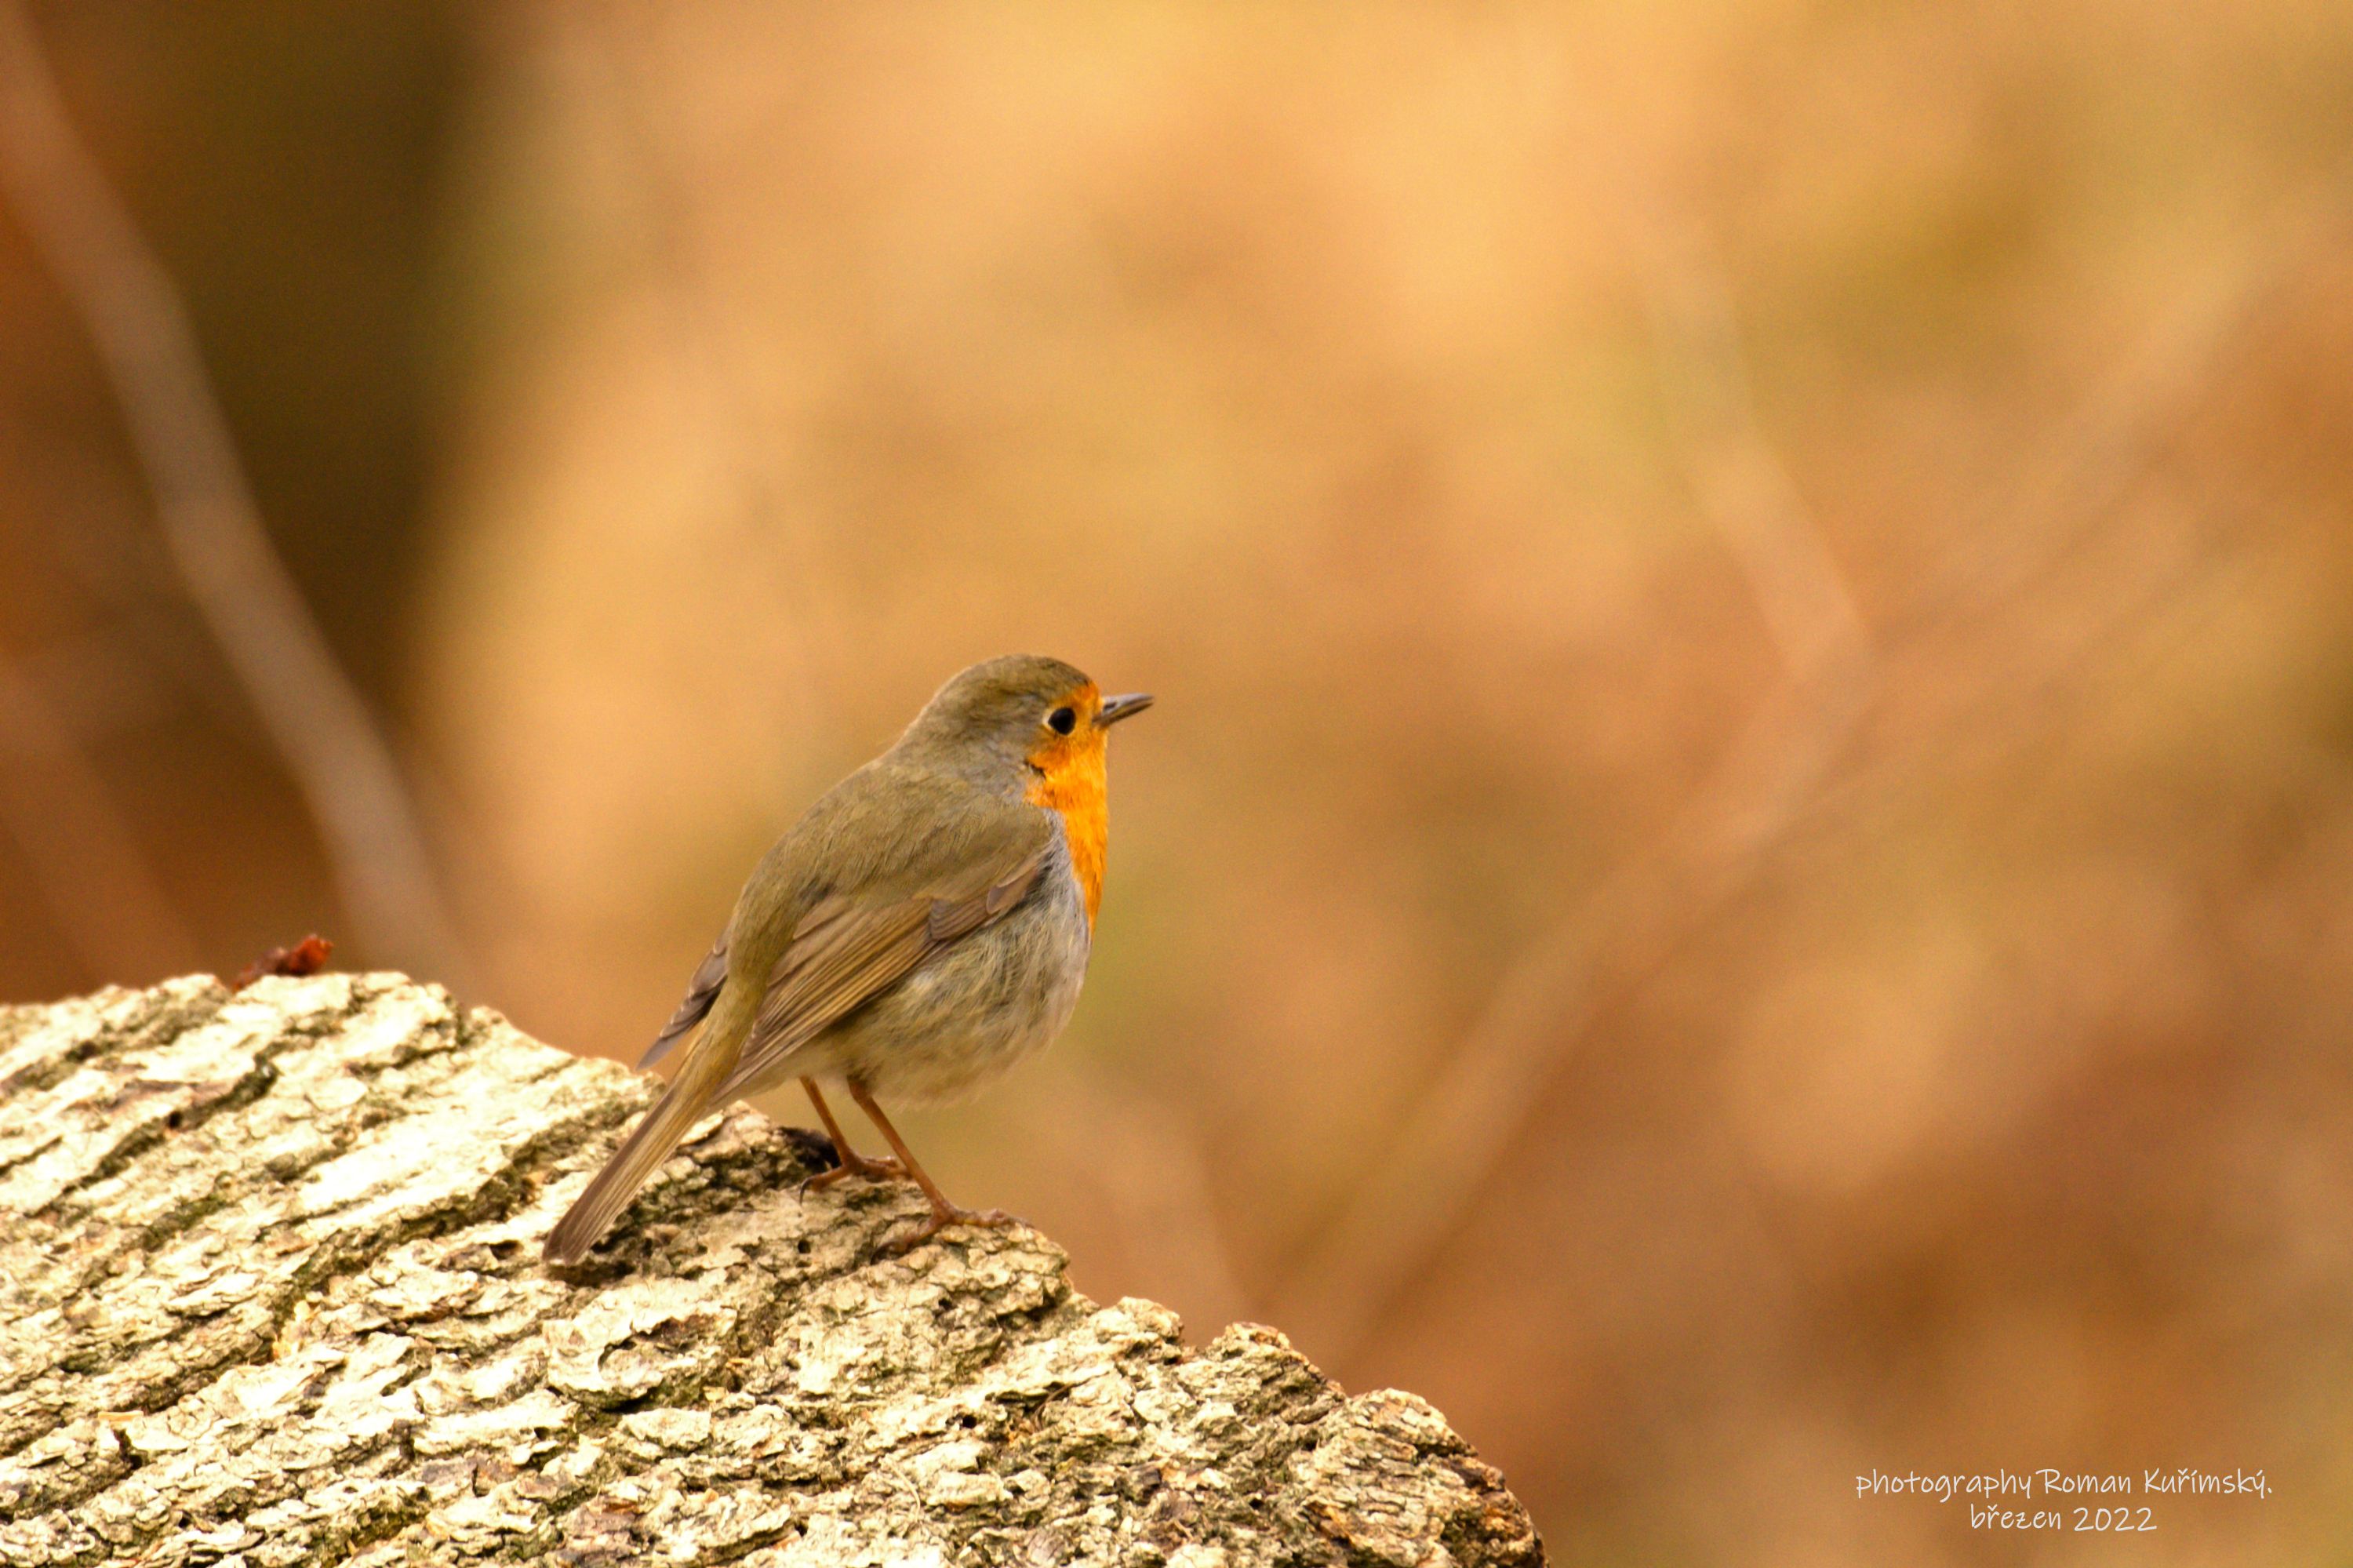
[(1741, 875)]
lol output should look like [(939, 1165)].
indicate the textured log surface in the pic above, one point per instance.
[(271, 1292)]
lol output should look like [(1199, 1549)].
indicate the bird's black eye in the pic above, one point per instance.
[(1062, 721)]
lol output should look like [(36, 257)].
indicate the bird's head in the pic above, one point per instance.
[(1019, 719)]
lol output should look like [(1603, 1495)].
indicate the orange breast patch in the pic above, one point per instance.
[(1073, 784)]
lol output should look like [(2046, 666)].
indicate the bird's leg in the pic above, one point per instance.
[(852, 1162), (943, 1213)]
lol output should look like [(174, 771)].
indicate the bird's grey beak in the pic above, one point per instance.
[(1117, 709)]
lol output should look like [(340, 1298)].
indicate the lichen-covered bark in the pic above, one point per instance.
[(271, 1292)]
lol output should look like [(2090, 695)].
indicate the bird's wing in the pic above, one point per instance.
[(888, 868), (849, 949), (701, 993)]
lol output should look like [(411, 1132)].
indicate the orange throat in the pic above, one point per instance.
[(1073, 786)]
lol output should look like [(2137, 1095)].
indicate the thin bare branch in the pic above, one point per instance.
[(2091, 465), (211, 525), (1775, 777), (1738, 475), (1432, 1171)]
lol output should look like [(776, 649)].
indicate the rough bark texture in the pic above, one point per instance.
[(270, 1284)]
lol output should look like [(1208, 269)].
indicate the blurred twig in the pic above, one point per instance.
[(1737, 476), (2065, 498), (210, 525), (100, 887), (1428, 1179), (1774, 778)]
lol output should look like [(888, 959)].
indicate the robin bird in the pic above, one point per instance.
[(923, 927)]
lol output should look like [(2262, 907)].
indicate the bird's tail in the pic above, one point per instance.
[(681, 1104)]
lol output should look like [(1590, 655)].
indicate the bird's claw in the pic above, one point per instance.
[(940, 1219), (879, 1169)]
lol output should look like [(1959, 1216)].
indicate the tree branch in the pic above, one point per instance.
[(211, 525)]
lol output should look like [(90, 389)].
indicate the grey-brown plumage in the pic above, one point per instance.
[(923, 925)]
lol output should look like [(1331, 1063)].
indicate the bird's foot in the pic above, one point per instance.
[(854, 1164), (941, 1218)]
